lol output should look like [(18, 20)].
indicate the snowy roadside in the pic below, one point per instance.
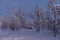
[(26, 35)]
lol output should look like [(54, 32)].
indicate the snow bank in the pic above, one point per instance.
[(26, 34)]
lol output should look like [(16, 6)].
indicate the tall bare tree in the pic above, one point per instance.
[(51, 10)]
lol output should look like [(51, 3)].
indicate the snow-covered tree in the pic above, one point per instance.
[(4, 22), (48, 20), (29, 24), (22, 19), (14, 23), (37, 18)]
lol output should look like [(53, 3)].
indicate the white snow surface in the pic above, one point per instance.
[(27, 34)]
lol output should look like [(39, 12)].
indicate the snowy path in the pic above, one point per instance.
[(26, 35)]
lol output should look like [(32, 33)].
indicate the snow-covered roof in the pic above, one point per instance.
[(56, 5)]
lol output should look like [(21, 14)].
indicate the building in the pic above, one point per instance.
[(57, 13), (57, 9)]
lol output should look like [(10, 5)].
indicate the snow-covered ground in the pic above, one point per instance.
[(26, 34)]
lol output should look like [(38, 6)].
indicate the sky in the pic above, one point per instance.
[(11, 7)]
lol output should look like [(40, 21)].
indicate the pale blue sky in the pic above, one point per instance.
[(9, 7)]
